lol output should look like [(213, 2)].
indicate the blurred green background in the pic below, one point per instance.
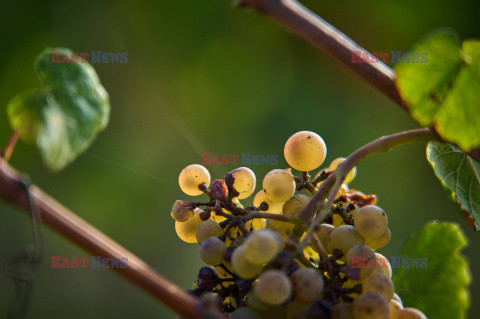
[(204, 77)]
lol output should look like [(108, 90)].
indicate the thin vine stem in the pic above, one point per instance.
[(8, 150), (95, 242), (380, 145)]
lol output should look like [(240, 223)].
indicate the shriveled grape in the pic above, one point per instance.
[(181, 211)]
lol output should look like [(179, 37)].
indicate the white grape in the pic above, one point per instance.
[(242, 267), (244, 181), (307, 284), (273, 207), (186, 230), (370, 305), (305, 151), (361, 257), (211, 251), (344, 238), (371, 221), (261, 246), (208, 228), (273, 287), (295, 204), (350, 176), (378, 242), (380, 283), (279, 185), (382, 265), (191, 177)]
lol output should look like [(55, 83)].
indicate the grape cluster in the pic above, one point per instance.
[(257, 265)]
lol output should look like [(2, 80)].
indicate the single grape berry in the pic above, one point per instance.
[(307, 284), (243, 181), (182, 211), (242, 267), (295, 204), (305, 151), (370, 305), (207, 228), (379, 283), (207, 278), (273, 287), (371, 221), (272, 207), (363, 258), (191, 177), (344, 238), (378, 242), (186, 230), (261, 246), (382, 265), (279, 185), (211, 251)]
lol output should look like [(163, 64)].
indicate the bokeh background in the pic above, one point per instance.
[(205, 77)]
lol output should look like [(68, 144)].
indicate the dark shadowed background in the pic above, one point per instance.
[(205, 77)]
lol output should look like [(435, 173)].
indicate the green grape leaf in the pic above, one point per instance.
[(460, 176), (443, 90), (440, 289), (66, 114)]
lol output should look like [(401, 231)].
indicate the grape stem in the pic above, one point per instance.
[(96, 243), (331, 41), (322, 253), (332, 184), (8, 150), (283, 218)]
